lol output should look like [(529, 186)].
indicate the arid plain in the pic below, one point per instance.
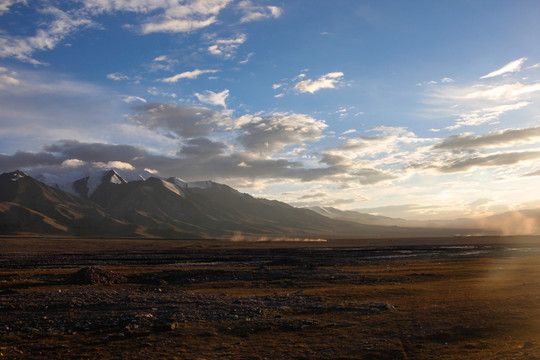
[(445, 298)]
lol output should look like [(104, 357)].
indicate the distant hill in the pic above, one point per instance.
[(522, 222), (106, 204)]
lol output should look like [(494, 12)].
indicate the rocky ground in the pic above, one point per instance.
[(450, 302)]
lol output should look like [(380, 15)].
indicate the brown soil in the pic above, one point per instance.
[(217, 300)]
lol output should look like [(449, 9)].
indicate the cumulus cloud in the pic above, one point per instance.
[(116, 164), (212, 98), (202, 147), (180, 121), (390, 141), (73, 163), (23, 159), (512, 66), (188, 75), (268, 134), (199, 158), (94, 152), (507, 137), (328, 81), (253, 12), (226, 48)]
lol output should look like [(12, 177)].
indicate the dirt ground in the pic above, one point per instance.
[(474, 298)]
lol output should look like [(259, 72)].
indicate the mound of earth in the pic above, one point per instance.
[(94, 275)]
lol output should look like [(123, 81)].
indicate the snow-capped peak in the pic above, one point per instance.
[(113, 177), (177, 189), (17, 174), (178, 182), (187, 184)]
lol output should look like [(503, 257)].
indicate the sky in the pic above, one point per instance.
[(411, 109)]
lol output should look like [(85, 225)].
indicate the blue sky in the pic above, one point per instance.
[(412, 109)]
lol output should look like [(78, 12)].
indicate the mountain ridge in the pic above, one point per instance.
[(169, 208)]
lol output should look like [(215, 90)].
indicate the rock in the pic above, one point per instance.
[(94, 275), (381, 306)]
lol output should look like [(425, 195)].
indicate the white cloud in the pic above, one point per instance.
[(161, 58), (512, 66), (177, 25), (46, 38), (117, 76), (175, 16), (169, 16), (477, 104), (226, 47), (447, 80), (6, 4), (130, 99), (73, 163), (163, 62), (7, 78), (212, 98), (247, 58), (328, 81), (503, 92), (253, 12), (115, 164), (267, 134), (188, 75), (156, 92), (187, 17), (485, 115), (151, 171)]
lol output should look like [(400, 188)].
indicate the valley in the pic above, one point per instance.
[(409, 298)]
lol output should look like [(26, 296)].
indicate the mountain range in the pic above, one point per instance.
[(107, 204)]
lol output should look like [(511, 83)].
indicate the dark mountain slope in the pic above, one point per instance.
[(176, 209), (31, 206)]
